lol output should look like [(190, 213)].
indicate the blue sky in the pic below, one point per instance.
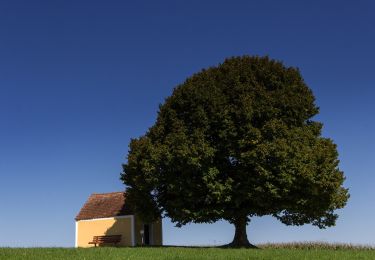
[(78, 79)]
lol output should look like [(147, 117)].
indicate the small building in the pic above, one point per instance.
[(107, 214)]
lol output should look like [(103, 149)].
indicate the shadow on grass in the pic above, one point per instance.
[(198, 247), (294, 245)]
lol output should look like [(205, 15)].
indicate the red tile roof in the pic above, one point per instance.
[(104, 205)]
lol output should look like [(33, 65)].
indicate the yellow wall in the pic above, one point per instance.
[(156, 232), (86, 229)]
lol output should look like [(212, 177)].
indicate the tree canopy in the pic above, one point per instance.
[(235, 141)]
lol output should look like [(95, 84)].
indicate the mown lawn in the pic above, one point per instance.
[(186, 253)]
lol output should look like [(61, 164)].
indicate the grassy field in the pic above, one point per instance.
[(271, 251)]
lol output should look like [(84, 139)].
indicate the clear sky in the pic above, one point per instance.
[(78, 79)]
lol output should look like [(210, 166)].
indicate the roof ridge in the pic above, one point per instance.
[(105, 193)]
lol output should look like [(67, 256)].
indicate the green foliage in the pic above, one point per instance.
[(235, 141)]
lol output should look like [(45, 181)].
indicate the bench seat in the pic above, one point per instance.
[(101, 240)]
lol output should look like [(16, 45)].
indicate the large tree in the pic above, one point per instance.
[(233, 142)]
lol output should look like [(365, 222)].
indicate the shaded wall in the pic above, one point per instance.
[(156, 232)]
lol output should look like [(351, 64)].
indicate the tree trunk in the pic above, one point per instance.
[(240, 236)]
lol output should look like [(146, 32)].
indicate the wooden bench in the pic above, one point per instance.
[(101, 240)]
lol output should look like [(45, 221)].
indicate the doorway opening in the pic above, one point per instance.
[(146, 234)]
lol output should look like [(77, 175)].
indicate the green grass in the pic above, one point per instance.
[(268, 251)]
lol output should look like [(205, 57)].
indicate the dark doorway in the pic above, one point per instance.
[(146, 229)]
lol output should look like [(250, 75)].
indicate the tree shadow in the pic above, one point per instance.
[(119, 228), (122, 226)]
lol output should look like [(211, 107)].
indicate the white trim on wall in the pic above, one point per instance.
[(161, 231), (118, 217), (76, 242), (133, 230)]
